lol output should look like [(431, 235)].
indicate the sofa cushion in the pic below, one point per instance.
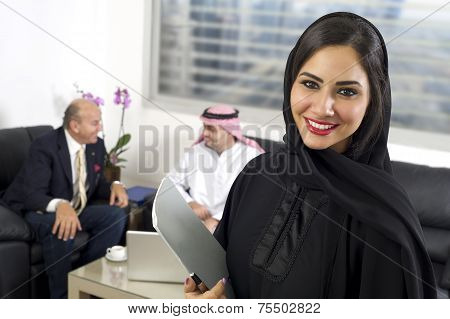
[(36, 131), (17, 141), (14, 269), (437, 242), (428, 189), (13, 227)]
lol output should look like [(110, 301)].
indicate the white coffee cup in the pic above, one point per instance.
[(116, 252)]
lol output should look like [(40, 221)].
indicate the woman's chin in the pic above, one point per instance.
[(339, 147), (315, 145)]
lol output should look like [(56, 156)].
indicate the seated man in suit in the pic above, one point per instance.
[(60, 178), (207, 171)]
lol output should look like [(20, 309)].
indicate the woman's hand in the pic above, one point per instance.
[(192, 291)]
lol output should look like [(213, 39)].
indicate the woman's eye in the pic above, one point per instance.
[(347, 92), (310, 84)]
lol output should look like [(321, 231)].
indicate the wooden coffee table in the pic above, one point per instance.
[(108, 280)]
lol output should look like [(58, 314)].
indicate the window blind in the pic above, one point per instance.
[(235, 51)]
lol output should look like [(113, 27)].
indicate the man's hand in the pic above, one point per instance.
[(66, 221), (211, 224), (201, 211), (119, 196)]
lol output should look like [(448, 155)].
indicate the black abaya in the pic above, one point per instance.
[(303, 223), (297, 244)]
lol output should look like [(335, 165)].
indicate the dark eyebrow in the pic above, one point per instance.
[(348, 83), (315, 77), (312, 76)]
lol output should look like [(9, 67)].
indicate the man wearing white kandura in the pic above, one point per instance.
[(208, 169)]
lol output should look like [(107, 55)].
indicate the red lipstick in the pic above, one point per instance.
[(317, 130)]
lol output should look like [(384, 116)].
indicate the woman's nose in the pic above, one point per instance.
[(324, 104)]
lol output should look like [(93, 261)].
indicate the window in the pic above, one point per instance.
[(235, 51)]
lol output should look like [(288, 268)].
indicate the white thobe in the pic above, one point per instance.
[(206, 177)]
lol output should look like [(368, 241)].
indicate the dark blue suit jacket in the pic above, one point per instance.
[(47, 174)]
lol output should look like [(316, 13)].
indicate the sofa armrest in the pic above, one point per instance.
[(13, 226)]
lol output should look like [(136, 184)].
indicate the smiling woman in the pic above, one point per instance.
[(324, 217), (328, 105)]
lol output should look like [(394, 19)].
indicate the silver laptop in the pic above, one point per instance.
[(183, 231), (150, 259)]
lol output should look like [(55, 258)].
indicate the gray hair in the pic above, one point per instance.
[(71, 113)]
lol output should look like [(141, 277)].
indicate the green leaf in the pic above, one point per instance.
[(121, 151), (123, 140)]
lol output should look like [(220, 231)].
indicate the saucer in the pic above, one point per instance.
[(111, 258)]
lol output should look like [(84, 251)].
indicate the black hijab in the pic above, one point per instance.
[(360, 181)]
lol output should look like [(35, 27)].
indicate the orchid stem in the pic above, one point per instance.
[(121, 129)]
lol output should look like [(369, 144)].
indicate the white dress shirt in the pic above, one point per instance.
[(73, 146), (206, 177)]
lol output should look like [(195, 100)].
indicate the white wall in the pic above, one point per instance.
[(37, 70), (47, 45)]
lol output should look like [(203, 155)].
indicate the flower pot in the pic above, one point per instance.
[(112, 173)]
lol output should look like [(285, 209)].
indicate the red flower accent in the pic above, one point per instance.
[(97, 168)]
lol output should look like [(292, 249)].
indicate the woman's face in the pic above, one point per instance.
[(329, 98)]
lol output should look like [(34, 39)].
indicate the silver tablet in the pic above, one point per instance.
[(150, 259), (186, 235)]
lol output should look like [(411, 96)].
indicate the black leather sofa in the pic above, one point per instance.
[(22, 273), (429, 191)]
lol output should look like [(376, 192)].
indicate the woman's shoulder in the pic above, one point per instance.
[(267, 162), (264, 171), (270, 164)]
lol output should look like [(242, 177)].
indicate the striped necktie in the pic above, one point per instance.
[(80, 198)]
